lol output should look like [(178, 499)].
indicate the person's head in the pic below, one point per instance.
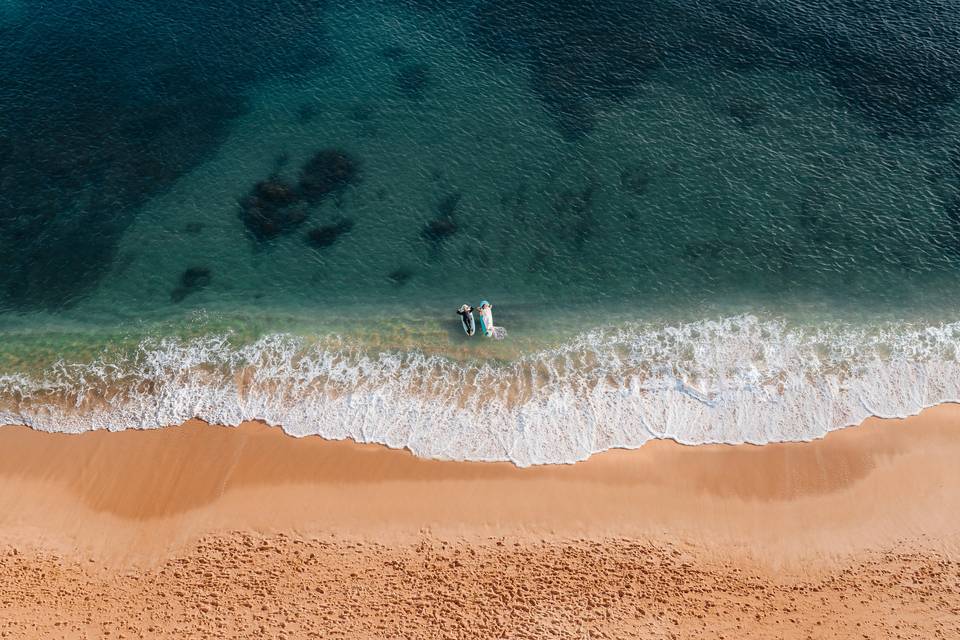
[(484, 304), (465, 308)]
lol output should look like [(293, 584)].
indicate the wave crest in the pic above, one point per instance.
[(733, 380)]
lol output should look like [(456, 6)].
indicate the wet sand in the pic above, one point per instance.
[(207, 531)]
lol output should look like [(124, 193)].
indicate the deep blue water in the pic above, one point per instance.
[(744, 193)]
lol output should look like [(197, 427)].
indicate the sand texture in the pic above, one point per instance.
[(206, 531), (249, 586)]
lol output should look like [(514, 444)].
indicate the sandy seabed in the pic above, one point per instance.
[(210, 532)]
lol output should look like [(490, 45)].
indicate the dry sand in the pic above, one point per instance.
[(206, 531)]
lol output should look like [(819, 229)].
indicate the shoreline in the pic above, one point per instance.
[(738, 379), (171, 474), (859, 513)]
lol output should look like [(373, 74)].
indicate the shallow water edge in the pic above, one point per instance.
[(735, 380)]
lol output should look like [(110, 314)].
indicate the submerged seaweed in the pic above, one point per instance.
[(439, 229), (400, 276), (894, 63), (583, 56), (327, 234), (272, 208), (328, 171), (191, 281), (101, 110), (443, 225), (78, 165)]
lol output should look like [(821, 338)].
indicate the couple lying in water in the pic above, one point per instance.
[(485, 311)]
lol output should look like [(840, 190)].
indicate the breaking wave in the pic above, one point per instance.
[(735, 380)]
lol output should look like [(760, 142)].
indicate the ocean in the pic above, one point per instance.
[(707, 221)]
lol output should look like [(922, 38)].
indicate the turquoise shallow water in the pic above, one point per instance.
[(708, 221)]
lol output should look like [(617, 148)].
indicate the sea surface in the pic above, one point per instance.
[(710, 221)]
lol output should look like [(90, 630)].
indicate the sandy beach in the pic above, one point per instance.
[(208, 531)]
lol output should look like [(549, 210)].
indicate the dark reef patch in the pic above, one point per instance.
[(329, 171), (584, 56), (327, 234), (894, 62), (439, 229), (191, 281), (273, 207), (400, 276), (275, 192), (443, 226), (80, 160), (897, 101), (103, 109), (448, 204)]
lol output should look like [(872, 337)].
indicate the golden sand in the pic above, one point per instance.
[(207, 531)]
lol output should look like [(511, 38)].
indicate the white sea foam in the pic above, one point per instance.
[(734, 380)]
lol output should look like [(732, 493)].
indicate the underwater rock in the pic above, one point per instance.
[(273, 207), (90, 147), (898, 91), (328, 171), (191, 281), (195, 277), (275, 192), (193, 227), (106, 111), (583, 56), (400, 277), (443, 225), (894, 79), (448, 204), (439, 229), (413, 79), (326, 235), (895, 67)]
